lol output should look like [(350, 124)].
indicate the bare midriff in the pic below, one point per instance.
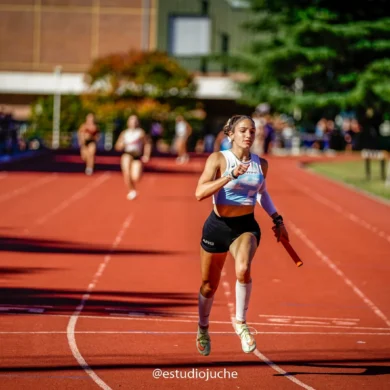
[(232, 211)]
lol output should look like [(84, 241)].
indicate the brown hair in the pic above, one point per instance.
[(232, 122)]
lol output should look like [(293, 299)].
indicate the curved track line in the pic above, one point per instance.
[(340, 273), (70, 330), (256, 352)]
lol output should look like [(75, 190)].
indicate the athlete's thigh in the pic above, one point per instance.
[(126, 162), (179, 144), (243, 249), (136, 170), (211, 265), (83, 152), (92, 148)]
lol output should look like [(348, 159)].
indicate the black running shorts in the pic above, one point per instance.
[(219, 232), (135, 156)]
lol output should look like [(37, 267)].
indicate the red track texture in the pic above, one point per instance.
[(100, 292)]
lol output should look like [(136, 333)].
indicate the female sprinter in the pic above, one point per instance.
[(182, 132), (136, 149), (88, 135), (236, 179)]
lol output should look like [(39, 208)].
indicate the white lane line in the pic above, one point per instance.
[(140, 314), (256, 352), (334, 206), (77, 196), (73, 319), (172, 313), (339, 273), (312, 323), (309, 318), (127, 311), (151, 332), (159, 319), (28, 187), (124, 317)]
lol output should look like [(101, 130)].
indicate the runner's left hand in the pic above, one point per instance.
[(280, 232)]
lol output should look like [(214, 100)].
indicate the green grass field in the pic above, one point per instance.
[(353, 173)]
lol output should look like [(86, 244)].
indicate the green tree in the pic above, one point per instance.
[(318, 55), (140, 74), (71, 116)]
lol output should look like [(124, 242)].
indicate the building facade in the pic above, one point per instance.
[(37, 35), (191, 30), (40, 38)]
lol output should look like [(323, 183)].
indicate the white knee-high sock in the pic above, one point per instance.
[(243, 293), (204, 307)]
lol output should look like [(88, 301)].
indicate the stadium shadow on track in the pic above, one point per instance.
[(72, 163), (23, 300), (37, 245), (371, 367), (12, 271), (350, 369)]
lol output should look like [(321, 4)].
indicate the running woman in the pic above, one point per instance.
[(235, 179), (88, 136), (136, 149)]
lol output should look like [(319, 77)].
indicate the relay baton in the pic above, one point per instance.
[(290, 250)]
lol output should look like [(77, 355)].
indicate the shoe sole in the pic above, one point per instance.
[(251, 350)]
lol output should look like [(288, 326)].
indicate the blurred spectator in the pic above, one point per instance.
[(208, 143), (222, 142), (335, 136), (346, 133), (352, 138), (205, 143), (8, 132), (3, 131), (287, 131), (258, 143), (263, 108), (319, 132), (266, 130), (269, 134), (329, 133), (156, 133)]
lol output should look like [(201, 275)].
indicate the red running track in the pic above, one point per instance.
[(98, 291)]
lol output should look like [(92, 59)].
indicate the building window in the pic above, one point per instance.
[(189, 35)]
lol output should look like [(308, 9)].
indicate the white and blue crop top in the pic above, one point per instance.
[(243, 190)]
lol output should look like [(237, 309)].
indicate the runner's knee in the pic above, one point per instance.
[(208, 289)]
